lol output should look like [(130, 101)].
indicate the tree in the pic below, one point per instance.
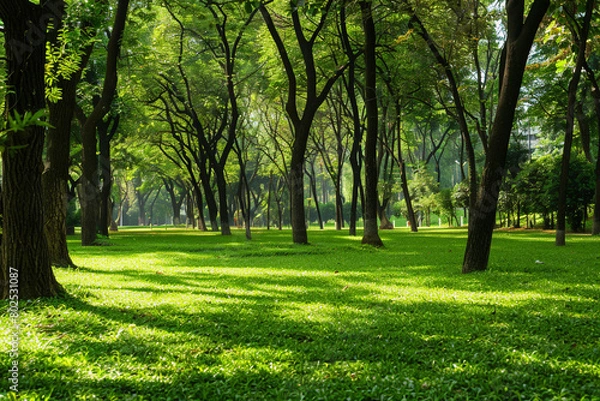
[(371, 234), (89, 180), (64, 77), (580, 34), (24, 245), (520, 35), (301, 117)]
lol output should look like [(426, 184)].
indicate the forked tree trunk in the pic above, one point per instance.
[(90, 195), (301, 119), (25, 264), (483, 208)]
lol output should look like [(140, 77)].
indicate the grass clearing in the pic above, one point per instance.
[(184, 315)]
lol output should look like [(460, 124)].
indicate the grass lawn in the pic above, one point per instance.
[(183, 315)]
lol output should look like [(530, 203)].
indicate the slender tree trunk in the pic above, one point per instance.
[(301, 119), (581, 36), (90, 201), (371, 234), (25, 261), (269, 200), (355, 152), (596, 97), (106, 131), (189, 210), (339, 204), (200, 206), (482, 214), (313, 188)]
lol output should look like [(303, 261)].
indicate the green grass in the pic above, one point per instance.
[(183, 315)]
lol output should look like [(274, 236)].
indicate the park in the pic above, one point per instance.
[(300, 200)]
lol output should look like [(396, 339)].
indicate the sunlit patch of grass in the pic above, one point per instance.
[(178, 314)]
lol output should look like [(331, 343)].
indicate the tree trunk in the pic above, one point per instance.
[(301, 119), (596, 226), (339, 204), (189, 210), (516, 50), (106, 132), (596, 97), (223, 204), (56, 174), (580, 35), (298, 213), (25, 259), (371, 234), (355, 152), (90, 202), (313, 188), (269, 200)]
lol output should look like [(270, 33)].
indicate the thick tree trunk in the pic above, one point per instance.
[(56, 175), (25, 259), (223, 203), (482, 213), (298, 213), (371, 233), (55, 217)]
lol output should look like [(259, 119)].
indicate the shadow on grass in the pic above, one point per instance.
[(254, 349), (363, 325)]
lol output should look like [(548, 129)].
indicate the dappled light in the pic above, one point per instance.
[(183, 314)]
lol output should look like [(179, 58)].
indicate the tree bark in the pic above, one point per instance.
[(25, 259), (371, 233), (516, 51)]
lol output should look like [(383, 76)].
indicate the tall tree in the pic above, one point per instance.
[(58, 158), (371, 233), (580, 37), (90, 197), (520, 35), (301, 117), (24, 244)]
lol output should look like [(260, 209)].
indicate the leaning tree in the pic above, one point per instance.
[(520, 35)]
